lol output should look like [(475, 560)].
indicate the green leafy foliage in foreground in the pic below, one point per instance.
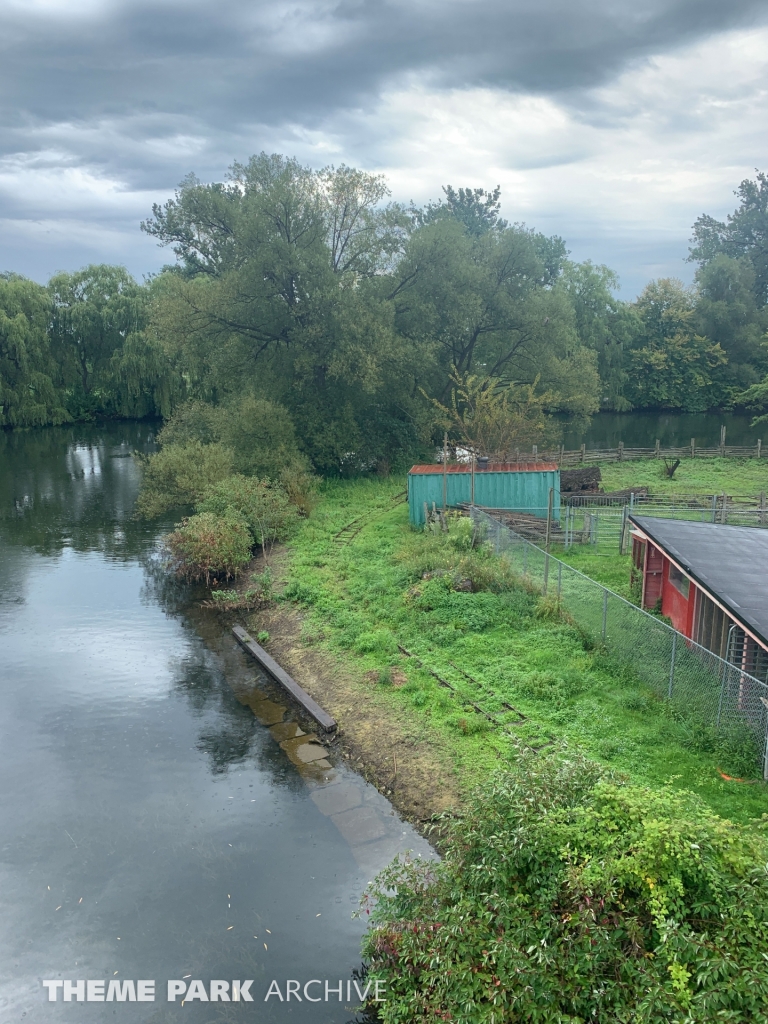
[(565, 896), (499, 646), (206, 546)]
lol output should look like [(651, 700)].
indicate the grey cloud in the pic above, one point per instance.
[(144, 92), (232, 62)]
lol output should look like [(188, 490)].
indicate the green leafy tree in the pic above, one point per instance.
[(603, 324), (673, 366), (483, 304), (743, 235), (494, 419), (28, 394), (727, 314), (94, 311), (756, 399), (475, 209)]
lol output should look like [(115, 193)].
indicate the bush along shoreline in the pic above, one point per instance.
[(567, 895)]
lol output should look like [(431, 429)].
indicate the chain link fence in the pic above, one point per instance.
[(606, 527), (717, 693)]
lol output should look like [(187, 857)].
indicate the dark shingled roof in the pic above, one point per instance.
[(731, 562)]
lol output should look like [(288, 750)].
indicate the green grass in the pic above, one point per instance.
[(366, 598), (607, 567), (693, 476)]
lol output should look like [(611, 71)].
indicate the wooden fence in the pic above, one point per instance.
[(585, 455)]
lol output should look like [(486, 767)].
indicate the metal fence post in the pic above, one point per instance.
[(672, 666), (605, 612), (559, 578), (722, 695)]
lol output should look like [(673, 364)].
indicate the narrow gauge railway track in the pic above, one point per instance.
[(468, 702), (348, 533)]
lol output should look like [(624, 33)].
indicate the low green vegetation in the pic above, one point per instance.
[(180, 474), (567, 895), (467, 621), (206, 546), (605, 566), (744, 477), (232, 517)]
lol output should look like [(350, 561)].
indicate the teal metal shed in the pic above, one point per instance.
[(522, 486)]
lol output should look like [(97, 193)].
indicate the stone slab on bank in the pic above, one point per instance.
[(323, 719)]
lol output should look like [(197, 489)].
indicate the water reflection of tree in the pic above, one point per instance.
[(230, 734), (74, 487)]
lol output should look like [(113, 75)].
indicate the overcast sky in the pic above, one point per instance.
[(613, 123)]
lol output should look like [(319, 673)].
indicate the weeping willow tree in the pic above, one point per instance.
[(111, 361), (28, 396)]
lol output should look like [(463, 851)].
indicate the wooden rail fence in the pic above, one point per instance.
[(585, 455)]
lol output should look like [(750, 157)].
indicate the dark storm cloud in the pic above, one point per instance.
[(105, 105), (223, 65)]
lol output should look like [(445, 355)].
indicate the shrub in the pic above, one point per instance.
[(264, 583), (179, 474), (206, 545), (264, 507), (300, 485), (566, 896), (260, 433)]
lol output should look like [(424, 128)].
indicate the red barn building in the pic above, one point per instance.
[(712, 583)]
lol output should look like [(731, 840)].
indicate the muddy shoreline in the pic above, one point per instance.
[(395, 752)]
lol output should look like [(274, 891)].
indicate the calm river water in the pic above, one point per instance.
[(152, 828)]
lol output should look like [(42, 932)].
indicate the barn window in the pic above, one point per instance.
[(679, 580)]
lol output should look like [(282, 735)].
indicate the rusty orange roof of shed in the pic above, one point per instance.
[(492, 467)]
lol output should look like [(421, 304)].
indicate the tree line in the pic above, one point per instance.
[(310, 313)]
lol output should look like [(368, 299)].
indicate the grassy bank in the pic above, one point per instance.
[(693, 476), (492, 671)]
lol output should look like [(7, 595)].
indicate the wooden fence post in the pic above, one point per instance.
[(445, 472), (722, 442), (621, 451), (762, 508), (658, 446), (583, 450), (759, 446), (693, 447)]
